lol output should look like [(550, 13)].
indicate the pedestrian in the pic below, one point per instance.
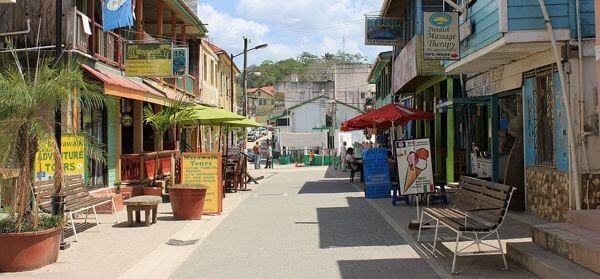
[(343, 156), (269, 154), (256, 150), (311, 156)]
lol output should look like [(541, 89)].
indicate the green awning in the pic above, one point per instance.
[(242, 123), (211, 116)]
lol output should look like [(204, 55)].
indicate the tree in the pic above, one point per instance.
[(28, 99)]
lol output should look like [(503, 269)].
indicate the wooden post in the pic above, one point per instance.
[(139, 28), (138, 127), (91, 15), (159, 17), (173, 23), (450, 133), (182, 33), (494, 116), (438, 134)]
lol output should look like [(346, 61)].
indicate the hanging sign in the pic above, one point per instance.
[(204, 169), (441, 40), (149, 60), (116, 14), (180, 61), (73, 157), (376, 172), (383, 31), (415, 175)]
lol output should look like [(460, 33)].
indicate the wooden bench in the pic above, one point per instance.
[(75, 197), (480, 209)]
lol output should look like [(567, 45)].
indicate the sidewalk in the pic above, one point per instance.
[(516, 228), (119, 251)]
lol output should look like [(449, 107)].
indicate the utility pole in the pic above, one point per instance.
[(231, 85), (245, 76)]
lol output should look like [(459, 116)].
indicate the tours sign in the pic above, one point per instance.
[(73, 157), (413, 158), (441, 40), (149, 60), (383, 31), (204, 169)]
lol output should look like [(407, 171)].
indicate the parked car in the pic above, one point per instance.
[(251, 137)]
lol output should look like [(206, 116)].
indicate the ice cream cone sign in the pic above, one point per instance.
[(417, 162)]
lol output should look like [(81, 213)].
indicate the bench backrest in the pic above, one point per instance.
[(72, 190), (474, 194), (44, 191)]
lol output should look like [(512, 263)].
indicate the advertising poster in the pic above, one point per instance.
[(149, 60), (73, 157), (204, 169), (441, 40), (383, 31), (180, 61), (376, 172), (415, 174)]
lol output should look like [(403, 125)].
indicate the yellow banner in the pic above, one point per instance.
[(149, 60), (73, 157), (204, 169)]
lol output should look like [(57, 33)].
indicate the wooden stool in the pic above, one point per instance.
[(145, 203)]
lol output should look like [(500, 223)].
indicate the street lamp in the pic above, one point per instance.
[(245, 75)]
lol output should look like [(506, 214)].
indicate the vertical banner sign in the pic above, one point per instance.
[(73, 157), (441, 40), (383, 31), (116, 14), (415, 175), (149, 60), (204, 169), (180, 61), (376, 172)]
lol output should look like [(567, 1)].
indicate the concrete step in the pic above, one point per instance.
[(589, 219), (544, 263), (572, 242)]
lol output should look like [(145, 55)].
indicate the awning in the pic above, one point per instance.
[(120, 86), (386, 116)]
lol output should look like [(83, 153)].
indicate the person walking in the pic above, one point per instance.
[(256, 150), (269, 164), (343, 156)]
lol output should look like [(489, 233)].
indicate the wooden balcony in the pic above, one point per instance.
[(140, 168)]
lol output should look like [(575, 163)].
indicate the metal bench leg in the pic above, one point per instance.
[(437, 226), (501, 251), (477, 241), (96, 215), (114, 209), (73, 226), (455, 252), (420, 225)]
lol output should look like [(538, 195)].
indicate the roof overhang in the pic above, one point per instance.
[(185, 18), (382, 59), (512, 46), (392, 8)]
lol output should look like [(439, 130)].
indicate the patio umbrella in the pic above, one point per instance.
[(242, 123), (387, 116)]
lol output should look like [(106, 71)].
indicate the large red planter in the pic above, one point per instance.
[(187, 203), (153, 191), (28, 250)]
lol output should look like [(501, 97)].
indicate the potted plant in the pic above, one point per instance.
[(28, 98), (187, 203)]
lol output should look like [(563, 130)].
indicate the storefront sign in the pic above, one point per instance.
[(204, 169), (180, 61), (441, 40), (149, 60), (383, 31), (405, 65), (415, 175), (376, 172), (73, 157)]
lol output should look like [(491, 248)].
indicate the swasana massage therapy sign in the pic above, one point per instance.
[(441, 40)]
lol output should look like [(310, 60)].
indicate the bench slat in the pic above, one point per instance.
[(501, 195)]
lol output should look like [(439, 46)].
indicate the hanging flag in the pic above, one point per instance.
[(117, 14)]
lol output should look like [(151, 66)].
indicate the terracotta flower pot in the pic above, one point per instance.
[(28, 250), (187, 203)]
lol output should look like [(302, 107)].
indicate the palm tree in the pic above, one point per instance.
[(28, 100)]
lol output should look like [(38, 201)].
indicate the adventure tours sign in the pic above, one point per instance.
[(441, 40), (73, 157), (204, 169)]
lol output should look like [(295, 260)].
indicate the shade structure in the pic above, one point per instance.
[(385, 117), (242, 123), (210, 116)]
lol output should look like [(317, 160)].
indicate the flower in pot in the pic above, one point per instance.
[(187, 202), (28, 99)]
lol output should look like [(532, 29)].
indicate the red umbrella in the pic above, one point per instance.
[(386, 116)]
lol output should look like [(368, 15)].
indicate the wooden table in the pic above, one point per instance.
[(145, 203)]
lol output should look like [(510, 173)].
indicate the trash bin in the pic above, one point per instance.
[(284, 160)]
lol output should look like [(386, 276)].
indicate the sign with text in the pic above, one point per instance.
[(73, 157), (149, 60), (441, 40), (383, 31), (376, 172), (415, 174), (180, 61), (204, 169)]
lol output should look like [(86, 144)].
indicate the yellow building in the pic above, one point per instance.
[(261, 103)]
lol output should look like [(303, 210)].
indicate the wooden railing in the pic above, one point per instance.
[(139, 168), (108, 46), (80, 38)]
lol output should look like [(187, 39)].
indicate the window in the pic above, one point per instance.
[(282, 122), (205, 68), (544, 103)]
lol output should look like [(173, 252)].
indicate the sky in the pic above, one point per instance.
[(289, 27)]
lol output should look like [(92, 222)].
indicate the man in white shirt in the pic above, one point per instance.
[(343, 156)]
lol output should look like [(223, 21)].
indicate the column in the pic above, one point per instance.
[(450, 133), (114, 143), (493, 141), (139, 19), (138, 127), (437, 119)]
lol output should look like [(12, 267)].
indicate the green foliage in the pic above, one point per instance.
[(307, 66), (46, 221), (169, 116)]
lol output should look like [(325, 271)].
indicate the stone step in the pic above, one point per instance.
[(589, 219), (544, 263), (572, 242)]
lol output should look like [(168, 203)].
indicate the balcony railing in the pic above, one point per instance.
[(108, 46), (139, 168)]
